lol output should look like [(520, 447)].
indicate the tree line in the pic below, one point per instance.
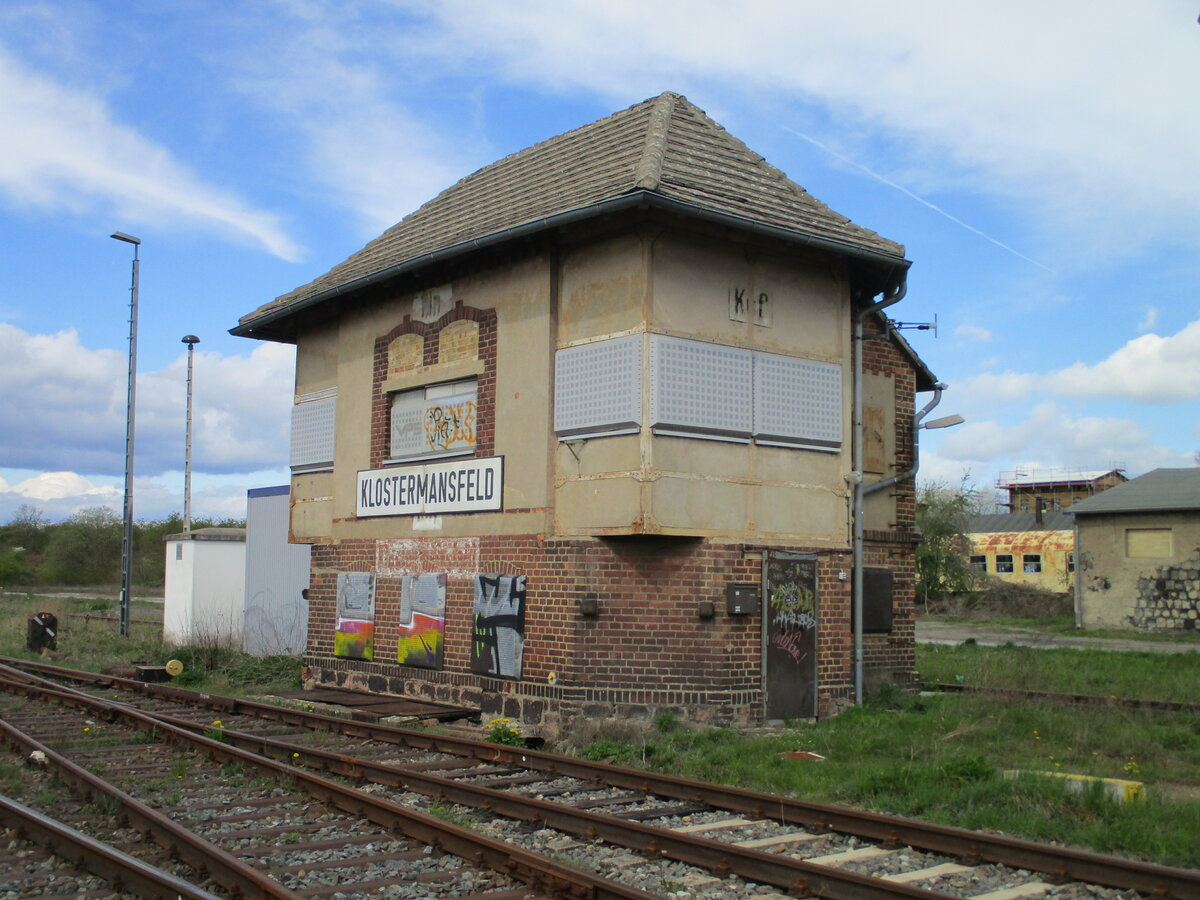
[(85, 550)]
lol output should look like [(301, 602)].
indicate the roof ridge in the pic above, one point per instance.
[(649, 169)]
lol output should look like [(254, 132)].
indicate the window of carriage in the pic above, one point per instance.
[(1004, 563), (979, 562), (1031, 563), (433, 421)]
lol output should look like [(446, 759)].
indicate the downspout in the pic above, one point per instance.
[(895, 295), (861, 493)]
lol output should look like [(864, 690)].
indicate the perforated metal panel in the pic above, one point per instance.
[(701, 388), (598, 387), (797, 401), (313, 425)]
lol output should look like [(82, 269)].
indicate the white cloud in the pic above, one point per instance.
[(974, 332), (63, 151), (1149, 318), (61, 485), (63, 408), (1069, 110), (1051, 437), (337, 84), (1147, 369)]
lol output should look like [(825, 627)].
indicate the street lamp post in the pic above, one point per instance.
[(127, 520), (191, 340)]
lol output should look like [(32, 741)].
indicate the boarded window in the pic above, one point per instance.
[(598, 388), (437, 420), (798, 402), (1148, 542), (1004, 564), (313, 420), (877, 600), (701, 389)]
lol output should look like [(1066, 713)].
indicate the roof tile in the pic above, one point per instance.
[(665, 144)]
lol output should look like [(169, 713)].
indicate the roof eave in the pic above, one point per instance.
[(886, 267)]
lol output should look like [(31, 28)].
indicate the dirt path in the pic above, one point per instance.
[(931, 631)]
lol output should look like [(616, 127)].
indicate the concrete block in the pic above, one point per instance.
[(1120, 790)]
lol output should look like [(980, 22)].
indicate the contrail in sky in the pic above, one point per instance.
[(937, 209)]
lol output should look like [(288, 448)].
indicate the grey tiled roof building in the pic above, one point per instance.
[(663, 153)]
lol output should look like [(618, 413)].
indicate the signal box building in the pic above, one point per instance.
[(575, 438)]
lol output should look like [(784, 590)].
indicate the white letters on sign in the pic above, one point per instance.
[(466, 485)]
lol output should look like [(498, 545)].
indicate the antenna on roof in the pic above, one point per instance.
[(918, 326)]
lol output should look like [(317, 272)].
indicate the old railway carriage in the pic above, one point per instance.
[(577, 438)]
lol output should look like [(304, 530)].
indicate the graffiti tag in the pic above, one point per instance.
[(450, 426)]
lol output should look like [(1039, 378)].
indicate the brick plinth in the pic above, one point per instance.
[(645, 648)]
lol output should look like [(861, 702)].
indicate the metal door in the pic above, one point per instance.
[(790, 634)]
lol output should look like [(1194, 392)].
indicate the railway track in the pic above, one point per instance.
[(567, 805)]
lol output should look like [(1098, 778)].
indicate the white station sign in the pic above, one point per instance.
[(467, 485)]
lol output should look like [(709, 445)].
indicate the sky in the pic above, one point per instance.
[(1038, 160)]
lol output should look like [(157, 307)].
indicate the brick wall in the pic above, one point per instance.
[(647, 648)]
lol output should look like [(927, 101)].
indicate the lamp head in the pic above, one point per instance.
[(190, 339), (944, 422), (127, 238)]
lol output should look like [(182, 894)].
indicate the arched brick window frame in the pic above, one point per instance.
[(485, 424)]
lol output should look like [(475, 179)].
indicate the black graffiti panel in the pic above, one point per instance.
[(498, 625)]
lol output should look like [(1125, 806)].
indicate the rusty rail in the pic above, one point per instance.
[(120, 869), (1060, 862)]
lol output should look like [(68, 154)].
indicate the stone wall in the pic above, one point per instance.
[(1170, 597)]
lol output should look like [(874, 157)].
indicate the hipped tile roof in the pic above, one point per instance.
[(665, 146)]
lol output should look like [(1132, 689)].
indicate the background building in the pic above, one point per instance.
[(1139, 553), (1057, 489), (1034, 548)]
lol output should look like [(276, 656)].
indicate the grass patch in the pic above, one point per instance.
[(1100, 673), (941, 758), (89, 641)]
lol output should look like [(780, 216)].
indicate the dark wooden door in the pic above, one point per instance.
[(790, 634)]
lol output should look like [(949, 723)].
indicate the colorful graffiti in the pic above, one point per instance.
[(498, 625), (451, 426), (422, 620), (355, 634)]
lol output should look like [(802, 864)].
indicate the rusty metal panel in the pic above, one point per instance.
[(877, 600)]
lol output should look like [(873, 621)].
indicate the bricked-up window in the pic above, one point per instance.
[(1148, 542), (313, 420), (1004, 564), (979, 562), (1031, 563), (435, 420)]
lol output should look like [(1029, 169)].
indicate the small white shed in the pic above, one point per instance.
[(276, 577), (205, 587)]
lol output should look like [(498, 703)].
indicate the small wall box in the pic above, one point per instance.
[(741, 599)]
